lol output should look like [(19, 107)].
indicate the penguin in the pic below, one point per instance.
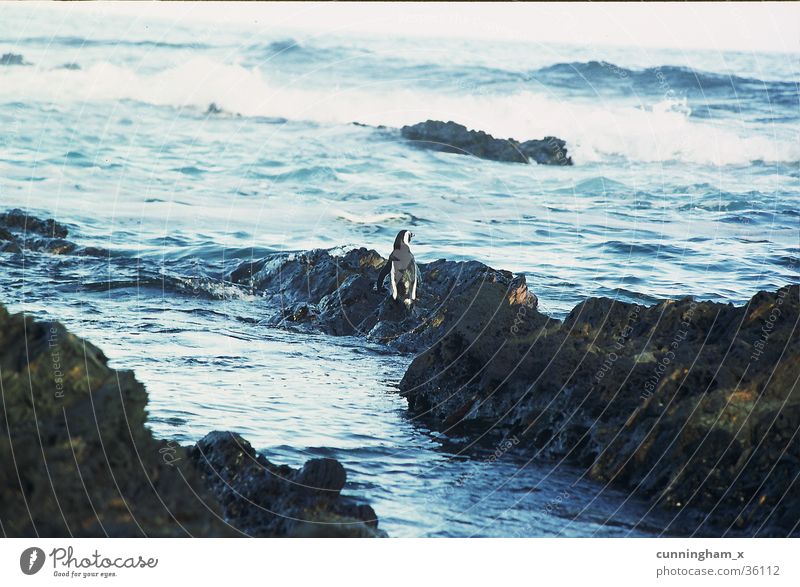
[(401, 263)]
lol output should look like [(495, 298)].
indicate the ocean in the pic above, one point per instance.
[(183, 149)]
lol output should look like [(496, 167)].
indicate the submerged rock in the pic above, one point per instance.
[(77, 460), (24, 222), (20, 231), (694, 405), (451, 137)]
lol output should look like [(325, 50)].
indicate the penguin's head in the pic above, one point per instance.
[(403, 238)]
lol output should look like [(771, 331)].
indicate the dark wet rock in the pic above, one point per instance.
[(263, 499), (213, 109), (451, 137), (547, 151), (77, 460), (362, 125), (318, 290), (693, 405), (677, 402), (5, 235), (21, 220), (323, 475), (20, 231), (12, 59), (76, 457)]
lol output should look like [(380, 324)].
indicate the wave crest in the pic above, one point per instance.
[(595, 130)]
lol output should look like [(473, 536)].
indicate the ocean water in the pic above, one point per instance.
[(686, 182)]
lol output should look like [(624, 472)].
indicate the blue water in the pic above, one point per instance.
[(686, 181)]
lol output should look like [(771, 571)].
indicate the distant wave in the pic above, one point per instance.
[(665, 79), (677, 76), (66, 41), (305, 55), (284, 46), (594, 130), (671, 81)]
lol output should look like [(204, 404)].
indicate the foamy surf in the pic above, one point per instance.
[(372, 218), (645, 130)]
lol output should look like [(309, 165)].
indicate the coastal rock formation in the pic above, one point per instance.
[(22, 221), (451, 137), (263, 499), (77, 460), (12, 59), (694, 405), (320, 291), (20, 231)]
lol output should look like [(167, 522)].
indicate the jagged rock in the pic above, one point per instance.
[(547, 151), (452, 137), (12, 59), (76, 457), (77, 460), (334, 294), (21, 220), (693, 405), (263, 499), (686, 403), (20, 231)]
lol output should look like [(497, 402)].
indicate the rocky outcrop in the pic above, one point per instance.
[(20, 231), (263, 499), (25, 223), (334, 294), (451, 137), (12, 59), (329, 292), (77, 460), (694, 405)]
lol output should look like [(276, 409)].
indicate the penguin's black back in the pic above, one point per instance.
[(398, 240)]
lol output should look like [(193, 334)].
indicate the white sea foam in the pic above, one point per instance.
[(594, 131), (371, 218)]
